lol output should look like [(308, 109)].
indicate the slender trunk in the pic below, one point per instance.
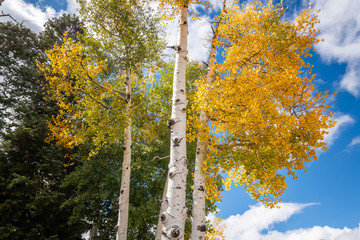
[(162, 209), (94, 231), (199, 194), (122, 224), (174, 217)]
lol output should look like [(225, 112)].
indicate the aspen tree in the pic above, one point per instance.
[(132, 34), (173, 218), (176, 212), (264, 114), (199, 194), (160, 94), (127, 36)]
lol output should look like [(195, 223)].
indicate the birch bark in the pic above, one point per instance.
[(122, 224), (158, 232), (174, 217)]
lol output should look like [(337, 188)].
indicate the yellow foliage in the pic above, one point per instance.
[(262, 104), (90, 101), (216, 230)]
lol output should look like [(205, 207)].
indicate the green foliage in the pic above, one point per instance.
[(56, 27), (128, 33)]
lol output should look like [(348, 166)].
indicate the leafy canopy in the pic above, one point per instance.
[(265, 116)]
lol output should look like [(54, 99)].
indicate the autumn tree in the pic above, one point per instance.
[(90, 90), (127, 34), (265, 117), (175, 215)]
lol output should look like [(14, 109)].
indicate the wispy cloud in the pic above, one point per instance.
[(342, 122), (355, 141), (340, 28), (252, 224), (351, 80)]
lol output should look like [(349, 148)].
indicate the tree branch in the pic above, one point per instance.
[(8, 15), (100, 85), (159, 158)]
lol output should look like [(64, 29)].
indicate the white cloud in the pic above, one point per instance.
[(252, 223), (351, 79), (31, 16), (334, 133), (217, 5), (340, 28), (199, 32), (355, 141), (314, 233)]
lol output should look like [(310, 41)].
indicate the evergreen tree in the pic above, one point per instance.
[(31, 170)]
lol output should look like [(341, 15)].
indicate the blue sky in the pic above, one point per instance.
[(324, 203)]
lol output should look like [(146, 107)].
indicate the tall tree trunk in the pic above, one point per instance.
[(174, 217), (199, 194), (158, 232), (122, 224)]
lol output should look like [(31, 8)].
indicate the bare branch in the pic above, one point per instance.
[(159, 158), (8, 15)]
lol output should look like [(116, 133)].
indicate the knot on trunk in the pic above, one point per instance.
[(176, 142), (201, 228), (171, 122), (162, 217), (175, 231)]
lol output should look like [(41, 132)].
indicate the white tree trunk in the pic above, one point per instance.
[(199, 195), (158, 232), (174, 217), (122, 224)]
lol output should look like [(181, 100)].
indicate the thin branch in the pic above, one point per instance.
[(8, 15), (213, 30), (99, 85), (159, 158), (118, 91), (100, 103)]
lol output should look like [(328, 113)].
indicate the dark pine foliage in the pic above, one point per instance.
[(31, 170)]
